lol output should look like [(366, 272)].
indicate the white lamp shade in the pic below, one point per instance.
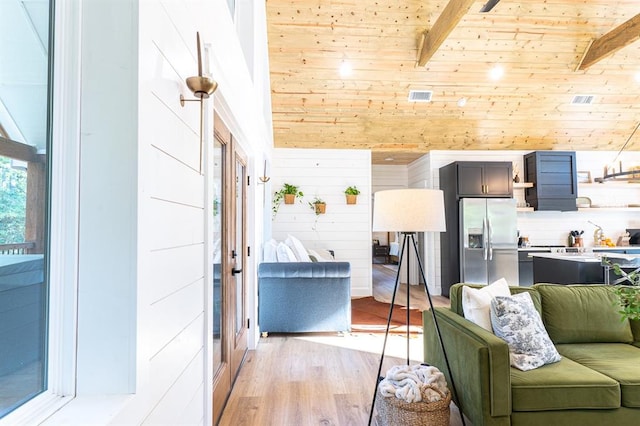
[(409, 210)]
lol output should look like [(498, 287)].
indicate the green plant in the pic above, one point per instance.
[(315, 205), (628, 294), (13, 202), (352, 190), (278, 196)]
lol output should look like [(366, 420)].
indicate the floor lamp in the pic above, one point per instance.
[(409, 211)]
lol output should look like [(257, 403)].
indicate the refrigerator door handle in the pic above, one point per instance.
[(485, 238), (490, 248)]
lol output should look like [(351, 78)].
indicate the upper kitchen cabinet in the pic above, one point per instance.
[(554, 178), (478, 179)]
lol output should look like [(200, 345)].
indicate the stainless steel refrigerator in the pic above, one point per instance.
[(489, 240)]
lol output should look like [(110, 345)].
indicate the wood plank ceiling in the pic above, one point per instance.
[(539, 45)]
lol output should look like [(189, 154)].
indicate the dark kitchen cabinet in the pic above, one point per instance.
[(483, 179), (554, 178), (467, 179), (558, 271), (525, 268)]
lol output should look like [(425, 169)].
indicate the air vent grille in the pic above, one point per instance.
[(420, 95), (582, 100)]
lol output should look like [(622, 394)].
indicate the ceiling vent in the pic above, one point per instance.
[(420, 95), (582, 100)]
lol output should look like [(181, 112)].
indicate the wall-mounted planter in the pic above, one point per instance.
[(288, 194), (352, 194), (318, 206)]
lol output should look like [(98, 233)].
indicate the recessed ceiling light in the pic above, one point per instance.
[(462, 102), (638, 77), (496, 72), (345, 69), (388, 159)]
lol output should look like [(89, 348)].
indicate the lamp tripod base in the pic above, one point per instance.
[(409, 238)]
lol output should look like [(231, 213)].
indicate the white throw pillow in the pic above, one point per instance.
[(298, 249), (476, 303), (321, 255), (516, 321), (284, 253), (269, 251)]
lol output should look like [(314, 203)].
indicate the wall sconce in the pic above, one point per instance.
[(264, 178), (202, 87)]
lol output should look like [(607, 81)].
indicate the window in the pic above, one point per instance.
[(24, 147)]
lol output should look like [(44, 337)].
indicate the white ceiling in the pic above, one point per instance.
[(23, 70)]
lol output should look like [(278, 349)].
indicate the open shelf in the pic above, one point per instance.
[(523, 185)]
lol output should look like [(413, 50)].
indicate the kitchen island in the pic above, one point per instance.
[(576, 268)]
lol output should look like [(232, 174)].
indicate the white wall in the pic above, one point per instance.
[(552, 228), (545, 227), (346, 229), (107, 271), (542, 227), (144, 285)]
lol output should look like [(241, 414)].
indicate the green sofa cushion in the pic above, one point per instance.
[(619, 361), (635, 329), (582, 314), (455, 295), (561, 386)]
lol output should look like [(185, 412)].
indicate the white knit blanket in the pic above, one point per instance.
[(408, 383)]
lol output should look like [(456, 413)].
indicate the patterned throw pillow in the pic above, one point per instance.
[(516, 321)]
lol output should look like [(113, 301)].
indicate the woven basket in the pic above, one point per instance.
[(395, 412)]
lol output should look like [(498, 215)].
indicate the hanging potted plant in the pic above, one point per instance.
[(318, 206), (288, 194), (352, 194)]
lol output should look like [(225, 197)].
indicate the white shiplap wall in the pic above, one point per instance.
[(346, 229), (172, 222), (144, 293), (385, 177)]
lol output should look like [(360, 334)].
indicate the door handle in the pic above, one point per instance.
[(489, 232), (485, 238), (235, 271)]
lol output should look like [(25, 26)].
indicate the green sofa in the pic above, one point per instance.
[(597, 382)]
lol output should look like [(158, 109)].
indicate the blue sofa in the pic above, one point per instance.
[(299, 297)]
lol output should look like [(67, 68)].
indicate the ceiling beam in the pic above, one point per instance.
[(17, 150), (611, 42), (447, 21)]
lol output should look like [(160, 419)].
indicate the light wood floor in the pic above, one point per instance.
[(321, 378), (384, 278)]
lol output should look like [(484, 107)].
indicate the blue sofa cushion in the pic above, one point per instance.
[(304, 270)]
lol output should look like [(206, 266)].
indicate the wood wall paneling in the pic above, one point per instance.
[(539, 46)]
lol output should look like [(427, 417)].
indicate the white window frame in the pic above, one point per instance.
[(63, 228)]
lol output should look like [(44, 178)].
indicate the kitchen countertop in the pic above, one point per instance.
[(535, 248), (585, 249), (588, 257)]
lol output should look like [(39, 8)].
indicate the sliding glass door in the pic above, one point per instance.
[(25, 99)]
